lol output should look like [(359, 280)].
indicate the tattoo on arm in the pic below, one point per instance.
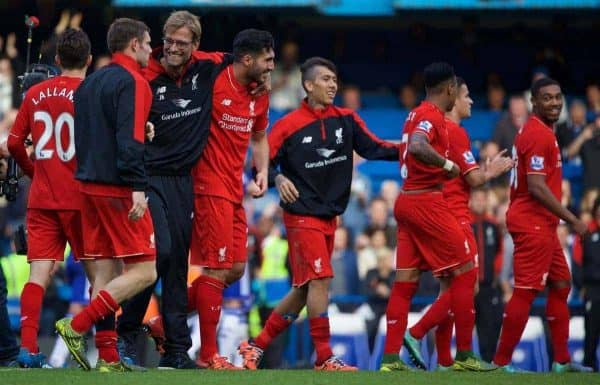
[(420, 148)]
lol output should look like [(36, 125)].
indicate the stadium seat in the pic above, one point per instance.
[(531, 353), (349, 339), (576, 337), (386, 123)]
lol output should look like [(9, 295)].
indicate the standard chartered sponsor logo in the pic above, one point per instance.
[(236, 123), (180, 114), (326, 162)]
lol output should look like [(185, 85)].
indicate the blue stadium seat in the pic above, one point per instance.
[(480, 125), (349, 339), (386, 123)]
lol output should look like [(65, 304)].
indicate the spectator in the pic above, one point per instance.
[(7, 85), (377, 287), (592, 92), (568, 131), (351, 97), (355, 217), (389, 191), (587, 145), (488, 301), (495, 97), (591, 287), (511, 122), (343, 260), (365, 255), (380, 219), (587, 204), (287, 90), (408, 97)]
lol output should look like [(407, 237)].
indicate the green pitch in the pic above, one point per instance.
[(282, 377)]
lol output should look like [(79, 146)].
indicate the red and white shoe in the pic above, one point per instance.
[(251, 355), (217, 362), (334, 364)]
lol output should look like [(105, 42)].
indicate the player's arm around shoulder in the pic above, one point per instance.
[(368, 145)]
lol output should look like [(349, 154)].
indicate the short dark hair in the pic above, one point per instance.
[(460, 81), (122, 30), (437, 73), (307, 68), (251, 41), (543, 82), (73, 49)]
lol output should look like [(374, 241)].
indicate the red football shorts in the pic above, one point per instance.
[(538, 258), (429, 236), (48, 231), (108, 232), (310, 241), (219, 234)]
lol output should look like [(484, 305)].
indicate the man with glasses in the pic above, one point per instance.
[(181, 79)]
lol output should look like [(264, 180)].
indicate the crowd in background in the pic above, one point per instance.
[(364, 250)]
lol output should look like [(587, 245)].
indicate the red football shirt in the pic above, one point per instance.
[(457, 190), (535, 152), (235, 115), (47, 113), (429, 120)]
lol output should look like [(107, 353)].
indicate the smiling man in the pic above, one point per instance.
[(239, 118), (532, 218), (313, 146), (181, 79)]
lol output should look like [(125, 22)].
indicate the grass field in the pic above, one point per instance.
[(282, 377)]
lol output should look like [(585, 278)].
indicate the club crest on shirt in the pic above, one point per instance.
[(424, 125), (338, 134), (537, 163), (469, 158), (251, 106)]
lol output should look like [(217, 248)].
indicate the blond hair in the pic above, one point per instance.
[(180, 19)]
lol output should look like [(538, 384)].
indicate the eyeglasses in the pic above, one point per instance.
[(179, 43)]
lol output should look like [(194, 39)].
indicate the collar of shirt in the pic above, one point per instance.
[(318, 113), (126, 61), (234, 83), (541, 122), (428, 103)]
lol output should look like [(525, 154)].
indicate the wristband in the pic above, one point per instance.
[(448, 165)]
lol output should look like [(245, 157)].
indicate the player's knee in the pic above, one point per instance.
[(411, 275), (236, 272)]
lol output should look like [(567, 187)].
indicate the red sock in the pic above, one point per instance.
[(99, 307), (106, 342), (209, 297), (557, 314), (397, 315), (462, 290), (275, 324), (443, 339), (435, 315), (516, 314), (31, 306), (319, 331)]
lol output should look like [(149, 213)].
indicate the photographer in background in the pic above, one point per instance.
[(587, 145)]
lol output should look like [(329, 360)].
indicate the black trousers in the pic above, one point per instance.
[(592, 332), (171, 203), (9, 348), (488, 319)]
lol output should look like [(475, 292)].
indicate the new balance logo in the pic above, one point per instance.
[(226, 102), (181, 103), (307, 139), (325, 152)]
